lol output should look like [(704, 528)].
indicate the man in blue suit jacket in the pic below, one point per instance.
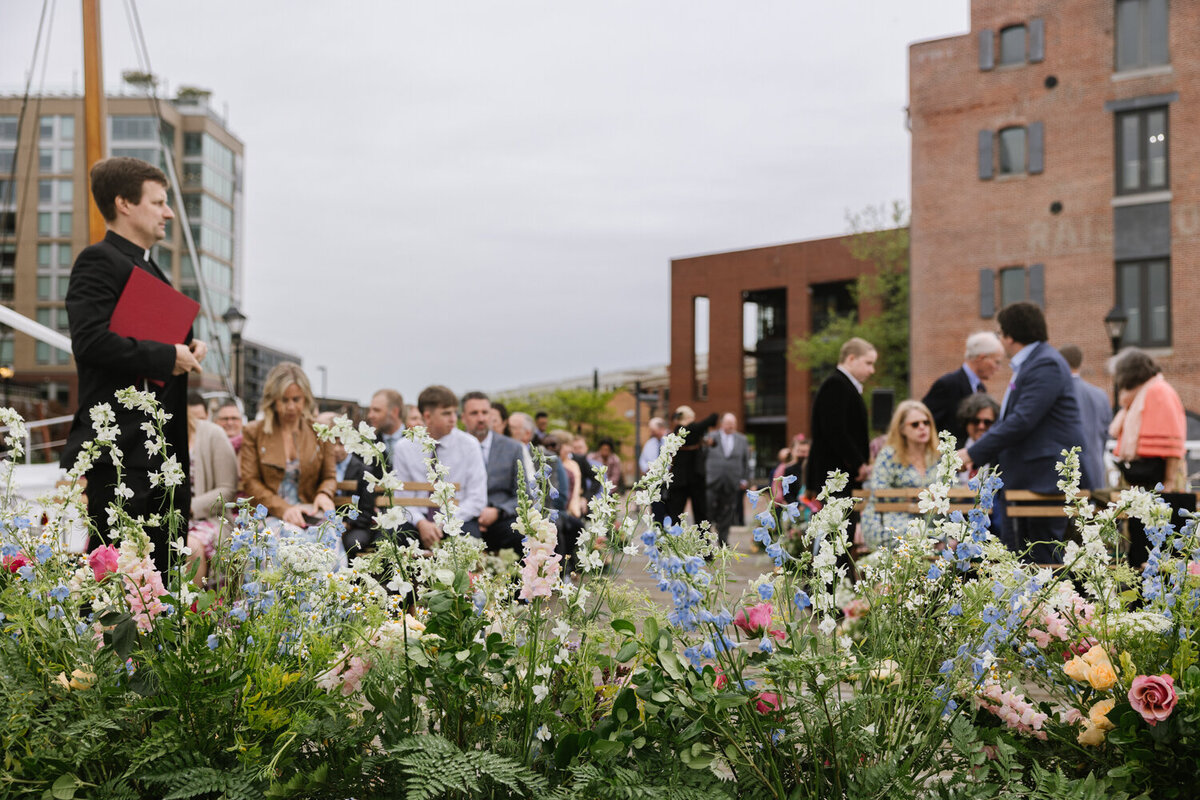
[(501, 455), (1095, 414), (1039, 418)]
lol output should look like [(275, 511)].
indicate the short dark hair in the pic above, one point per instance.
[(1023, 322), (606, 441), (475, 396), (1132, 367), (541, 415), (1072, 355), (393, 398), (503, 409), (194, 398), (434, 397), (122, 176), (972, 404)]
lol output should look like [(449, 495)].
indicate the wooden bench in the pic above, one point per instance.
[(907, 500), (1024, 503), (346, 490)]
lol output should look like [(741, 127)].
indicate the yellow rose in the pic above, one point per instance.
[(1098, 716), (1077, 669), (82, 679), (1091, 735), (1095, 655), (1102, 677)]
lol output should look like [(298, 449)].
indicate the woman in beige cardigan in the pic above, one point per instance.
[(283, 464), (214, 472)]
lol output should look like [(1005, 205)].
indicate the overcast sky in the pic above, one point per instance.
[(489, 193)]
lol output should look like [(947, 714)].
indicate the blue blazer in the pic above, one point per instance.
[(1041, 419)]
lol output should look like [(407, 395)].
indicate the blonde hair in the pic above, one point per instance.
[(281, 376), (895, 434)]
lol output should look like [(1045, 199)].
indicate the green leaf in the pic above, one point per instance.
[(606, 748), (624, 626), (64, 788), (650, 628), (628, 651), (671, 665)]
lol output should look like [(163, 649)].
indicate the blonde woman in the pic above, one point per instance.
[(283, 464), (905, 461)]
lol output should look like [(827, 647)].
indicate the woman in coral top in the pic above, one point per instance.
[(1150, 429)]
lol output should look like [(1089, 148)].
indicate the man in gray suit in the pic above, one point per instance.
[(501, 456), (1095, 413), (727, 472)]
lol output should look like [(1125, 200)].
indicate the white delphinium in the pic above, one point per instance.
[(303, 559), (827, 534), (443, 490), (597, 529), (14, 439), (649, 489)]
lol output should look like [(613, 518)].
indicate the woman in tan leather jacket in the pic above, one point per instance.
[(282, 463)]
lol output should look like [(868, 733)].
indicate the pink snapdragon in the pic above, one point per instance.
[(1153, 696), (542, 566), (346, 675), (754, 620), (143, 587), (103, 561), (1013, 709), (766, 702)]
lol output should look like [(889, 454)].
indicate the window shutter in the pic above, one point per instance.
[(987, 293), (1037, 40), (987, 41), (985, 155), (1037, 285), (1035, 148)]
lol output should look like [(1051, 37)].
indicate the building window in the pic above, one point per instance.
[(700, 348), (1012, 151), (1144, 291), (1012, 45), (1012, 286), (1142, 151), (1141, 34)]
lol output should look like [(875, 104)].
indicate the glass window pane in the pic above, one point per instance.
[(7, 158), (45, 191), (1012, 45), (1159, 311), (45, 159), (1128, 33), (1156, 149), (43, 255), (1154, 35), (46, 129), (43, 287), (63, 282), (45, 220), (43, 353), (1012, 285), (66, 128), (6, 350), (1130, 160), (65, 220), (66, 159), (64, 255), (1012, 151), (66, 192), (1131, 300)]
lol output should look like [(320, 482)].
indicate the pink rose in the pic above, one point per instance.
[(766, 701), (14, 563), (1153, 696), (1194, 568), (755, 619), (103, 560)]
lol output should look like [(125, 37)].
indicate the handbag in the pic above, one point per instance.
[(1144, 472)]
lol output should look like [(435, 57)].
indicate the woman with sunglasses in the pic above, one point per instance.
[(976, 414), (906, 461)]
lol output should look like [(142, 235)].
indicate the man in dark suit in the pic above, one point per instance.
[(1039, 418), (687, 469), (501, 455), (132, 197), (727, 466), (982, 358), (1095, 414), (840, 433)]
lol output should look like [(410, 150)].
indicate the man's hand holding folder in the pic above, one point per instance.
[(189, 356)]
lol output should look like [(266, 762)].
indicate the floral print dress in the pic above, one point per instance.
[(880, 529)]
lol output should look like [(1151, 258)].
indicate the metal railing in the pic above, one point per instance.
[(40, 423)]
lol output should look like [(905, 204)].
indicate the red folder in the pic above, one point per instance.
[(151, 309)]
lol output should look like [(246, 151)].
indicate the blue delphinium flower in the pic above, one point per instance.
[(43, 553), (765, 519), (59, 593), (766, 591), (752, 496), (765, 645), (26, 573), (8, 550), (802, 600), (54, 612)]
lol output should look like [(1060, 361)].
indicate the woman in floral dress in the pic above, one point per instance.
[(906, 461)]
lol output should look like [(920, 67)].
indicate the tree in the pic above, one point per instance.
[(879, 237), (577, 410)]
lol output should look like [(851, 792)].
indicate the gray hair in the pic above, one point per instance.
[(521, 420), (972, 404), (983, 343)]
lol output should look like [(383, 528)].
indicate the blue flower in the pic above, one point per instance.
[(990, 613), (765, 519), (786, 482), (8, 550), (776, 554), (43, 553), (935, 572), (766, 646), (26, 573), (766, 591), (802, 600), (59, 593), (260, 511), (762, 536), (752, 496), (956, 610), (353, 511)]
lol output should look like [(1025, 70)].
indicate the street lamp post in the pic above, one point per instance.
[(324, 380), (236, 321), (1115, 322)]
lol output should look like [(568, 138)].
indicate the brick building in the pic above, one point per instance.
[(1051, 161), (737, 312)]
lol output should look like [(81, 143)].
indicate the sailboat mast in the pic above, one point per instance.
[(93, 106)]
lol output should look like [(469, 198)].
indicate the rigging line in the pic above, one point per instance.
[(185, 223)]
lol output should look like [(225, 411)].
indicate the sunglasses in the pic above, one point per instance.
[(981, 422), (920, 423)]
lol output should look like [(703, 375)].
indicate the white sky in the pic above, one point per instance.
[(488, 193)]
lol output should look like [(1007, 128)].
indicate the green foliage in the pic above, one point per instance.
[(433, 767), (576, 410), (880, 238)]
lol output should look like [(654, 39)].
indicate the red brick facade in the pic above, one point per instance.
[(963, 224)]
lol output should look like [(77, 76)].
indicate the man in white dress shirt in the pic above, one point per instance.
[(458, 451), (653, 445)]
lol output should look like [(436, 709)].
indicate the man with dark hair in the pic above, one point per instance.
[(1094, 416), (541, 421), (132, 196), (1039, 418), (840, 433), (501, 455), (457, 451)]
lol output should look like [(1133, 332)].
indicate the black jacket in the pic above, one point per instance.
[(943, 399), (840, 434)]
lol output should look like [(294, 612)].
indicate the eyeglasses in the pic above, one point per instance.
[(920, 423), (982, 422)]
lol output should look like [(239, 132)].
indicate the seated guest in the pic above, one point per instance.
[(541, 423), (905, 461), (498, 418), (214, 477), (412, 417), (521, 426), (650, 450), (230, 418), (573, 500), (196, 407), (976, 413), (606, 456), (283, 464), (501, 455), (359, 533), (458, 451), (387, 405)]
